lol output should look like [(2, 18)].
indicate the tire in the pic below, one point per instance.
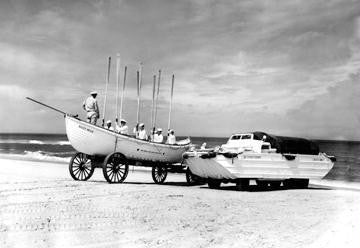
[(242, 184), (81, 167), (115, 168), (192, 179), (214, 183), (159, 174)]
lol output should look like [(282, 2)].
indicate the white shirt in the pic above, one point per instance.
[(110, 128), (90, 105), (171, 139), (142, 134), (122, 129), (158, 138)]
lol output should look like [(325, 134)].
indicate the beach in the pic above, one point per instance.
[(41, 206)]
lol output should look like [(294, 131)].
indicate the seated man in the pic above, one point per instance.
[(123, 128), (141, 133), (158, 137), (171, 139), (108, 125)]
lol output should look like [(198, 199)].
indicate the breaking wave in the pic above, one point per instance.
[(41, 156), (36, 142)]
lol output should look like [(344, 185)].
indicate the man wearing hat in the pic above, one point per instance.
[(158, 137), (108, 125), (123, 128), (90, 105), (141, 133), (171, 139)]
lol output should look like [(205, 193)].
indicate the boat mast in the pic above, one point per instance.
[(171, 99), (106, 88), (122, 93), (157, 98), (117, 85)]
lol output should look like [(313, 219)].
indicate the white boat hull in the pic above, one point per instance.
[(95, 140), (260, 166)]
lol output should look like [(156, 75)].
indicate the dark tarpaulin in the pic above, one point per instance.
[(289, 144)]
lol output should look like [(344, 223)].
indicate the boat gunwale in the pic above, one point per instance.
[(128, 136)]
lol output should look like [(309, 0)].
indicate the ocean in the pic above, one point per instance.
[(57, 148)]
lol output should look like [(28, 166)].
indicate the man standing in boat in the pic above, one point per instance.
[(90, 105)]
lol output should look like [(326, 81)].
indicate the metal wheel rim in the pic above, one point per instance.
[(81, 166)]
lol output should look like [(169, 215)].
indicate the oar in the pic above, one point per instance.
[(122, 93), (153, 103), (171, 99), (138, 99), (117, 85), (157, 98), (106, 88)]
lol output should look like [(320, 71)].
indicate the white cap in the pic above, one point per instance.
[(159, 129), (109, 121), (141, 125), (171, 130), (122, 120), (93, 92)]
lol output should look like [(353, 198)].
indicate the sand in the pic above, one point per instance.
[(41, 206)]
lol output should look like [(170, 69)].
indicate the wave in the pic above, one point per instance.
[(39, 156), (36, 142)]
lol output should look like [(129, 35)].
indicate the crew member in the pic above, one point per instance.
[(158, 137), (90, 105), (141, 133), (123, 128), (108, 126), (171, 139)]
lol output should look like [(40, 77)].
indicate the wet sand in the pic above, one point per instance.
[(41, 206)]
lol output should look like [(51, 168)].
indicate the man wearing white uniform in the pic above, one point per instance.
[(123, 128), (171, 139), (90, 105), (141, 134), (158, 137), (108, 126)]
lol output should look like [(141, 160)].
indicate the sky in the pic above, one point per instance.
[(283, 67)]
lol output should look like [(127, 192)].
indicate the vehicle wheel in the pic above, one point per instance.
[(262, 184), (81, 167), (192, 179), (159, 174), (214, 183), (242, 184), (275, 184), (115, 168)]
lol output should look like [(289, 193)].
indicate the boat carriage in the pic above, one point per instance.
[(268, 159), (114, 152)]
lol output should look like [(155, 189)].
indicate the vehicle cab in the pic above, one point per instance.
[(241, 142)]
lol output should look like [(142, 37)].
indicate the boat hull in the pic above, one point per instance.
[(260, 166), (98, 141)]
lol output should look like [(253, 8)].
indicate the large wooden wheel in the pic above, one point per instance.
[(115, 168), (159, 174), (81, 167)]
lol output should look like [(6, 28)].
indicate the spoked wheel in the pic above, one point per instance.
[(115, 168), (192, 179), (80, 167), (159, 174)]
